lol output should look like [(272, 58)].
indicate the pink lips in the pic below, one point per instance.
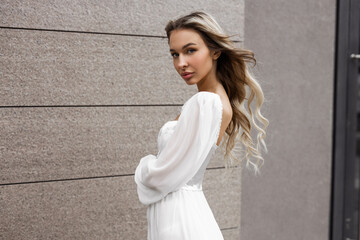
[(186, 75)]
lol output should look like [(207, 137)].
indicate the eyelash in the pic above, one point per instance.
[(173, 54), (190, 49)]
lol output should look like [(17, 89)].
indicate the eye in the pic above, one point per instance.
[(174, 55), (191, 50)]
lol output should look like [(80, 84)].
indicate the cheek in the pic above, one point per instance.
[(204, 63), (201, 60)]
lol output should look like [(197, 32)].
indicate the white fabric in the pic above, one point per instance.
[(171, 182)]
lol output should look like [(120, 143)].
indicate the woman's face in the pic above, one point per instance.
[(191, 57)]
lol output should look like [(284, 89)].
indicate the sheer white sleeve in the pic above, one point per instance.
[(196, 132)]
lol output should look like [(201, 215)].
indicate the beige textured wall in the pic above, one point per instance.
[(85, 87), (294, 45)]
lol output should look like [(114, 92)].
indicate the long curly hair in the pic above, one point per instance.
[(241, 87)]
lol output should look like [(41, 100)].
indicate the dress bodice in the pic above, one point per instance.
[(164, 134)]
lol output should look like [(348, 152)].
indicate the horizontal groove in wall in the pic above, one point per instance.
[(229, 228), (113, 105), (80, 178), (102, 33), (74, 31)]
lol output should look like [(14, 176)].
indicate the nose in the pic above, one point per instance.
[(182, 63)]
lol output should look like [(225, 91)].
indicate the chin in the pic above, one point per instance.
[(190, 82)]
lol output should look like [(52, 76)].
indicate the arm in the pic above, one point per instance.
[(177, 118), (195, 134)]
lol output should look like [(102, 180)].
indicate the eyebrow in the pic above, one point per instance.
[(186, 45)]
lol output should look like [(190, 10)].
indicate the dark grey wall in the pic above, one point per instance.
[(294, 45), (85, 87)]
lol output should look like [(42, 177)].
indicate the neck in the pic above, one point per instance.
[(208, 87), (210, 83)]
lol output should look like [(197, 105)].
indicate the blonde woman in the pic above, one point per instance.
[(170, 184)]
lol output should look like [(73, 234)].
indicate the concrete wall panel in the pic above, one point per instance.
[(231, 234), (294, 45), (222, 189), (86, 87), (55, 68), (124, 17), (41, 144), (103, 208)]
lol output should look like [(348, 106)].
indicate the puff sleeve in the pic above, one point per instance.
[(196, 132)]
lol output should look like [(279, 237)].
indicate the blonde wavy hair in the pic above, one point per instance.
[(241, 87)]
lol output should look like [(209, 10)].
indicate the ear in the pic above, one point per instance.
[(216, 55)]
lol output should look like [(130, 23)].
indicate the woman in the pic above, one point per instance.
[(171, 182)]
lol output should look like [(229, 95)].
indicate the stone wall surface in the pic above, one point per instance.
[(294, 43), (85, 88)]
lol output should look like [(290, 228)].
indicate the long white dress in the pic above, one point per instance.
[(170, 184)]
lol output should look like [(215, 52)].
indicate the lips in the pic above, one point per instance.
[(186, 75)]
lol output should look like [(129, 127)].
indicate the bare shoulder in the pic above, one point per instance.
[(226, 116), (227, 110)]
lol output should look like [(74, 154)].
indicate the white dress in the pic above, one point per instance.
[(170, 184)]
